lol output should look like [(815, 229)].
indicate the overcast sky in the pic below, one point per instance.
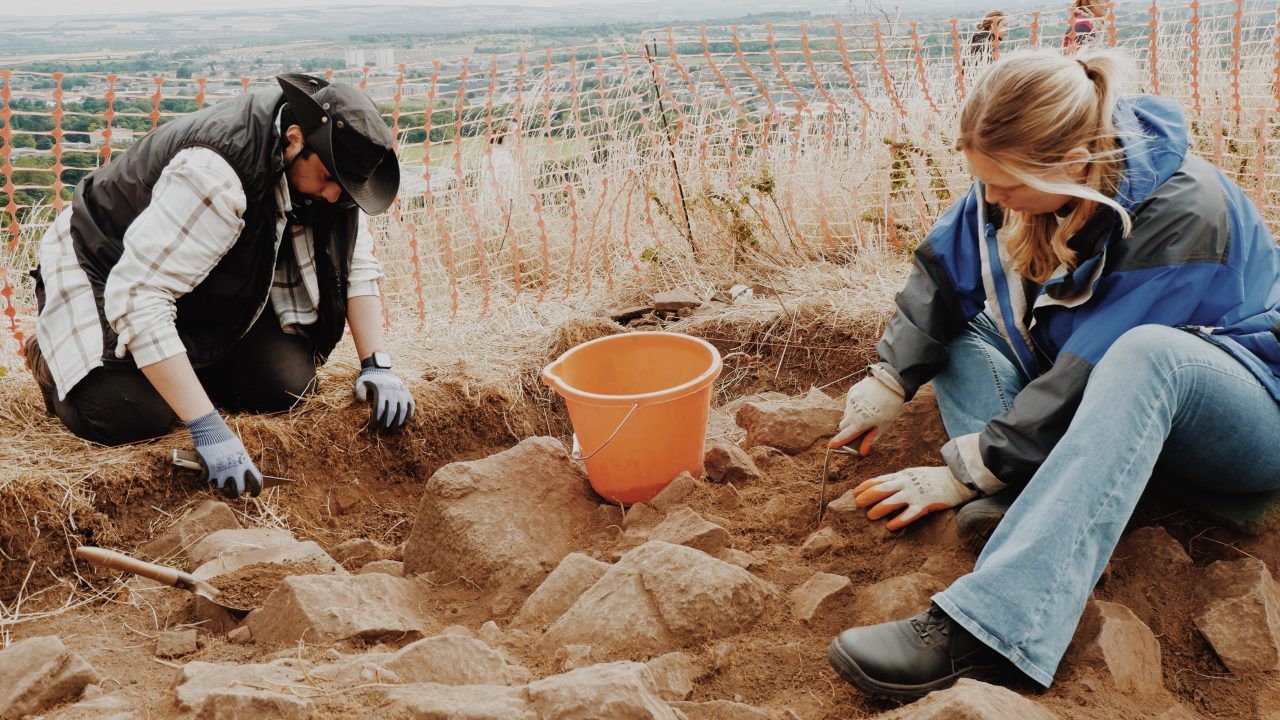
[(118, 7)]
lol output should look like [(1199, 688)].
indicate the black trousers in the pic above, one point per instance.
[(267, 371)]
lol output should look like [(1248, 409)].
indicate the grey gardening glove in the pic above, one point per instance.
[(226, 463), (390, 404)]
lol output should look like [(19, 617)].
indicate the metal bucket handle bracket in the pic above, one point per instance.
[(577, 449)]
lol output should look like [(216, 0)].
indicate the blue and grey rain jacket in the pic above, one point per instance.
[(1199, 258)]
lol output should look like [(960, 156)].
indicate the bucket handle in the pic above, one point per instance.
[(577, 452)]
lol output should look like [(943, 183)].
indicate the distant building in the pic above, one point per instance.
[(385, 57), (355, 57), (118, 135)]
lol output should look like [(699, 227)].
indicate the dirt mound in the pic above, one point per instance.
[(248, 586)]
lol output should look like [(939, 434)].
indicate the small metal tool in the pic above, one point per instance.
[(189, 460)]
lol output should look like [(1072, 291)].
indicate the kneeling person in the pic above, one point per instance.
[(219, 260)]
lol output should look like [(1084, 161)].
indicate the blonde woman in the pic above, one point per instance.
[(991, 30), (1101, 303)]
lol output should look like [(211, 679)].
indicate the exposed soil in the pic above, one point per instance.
[(248, 586), (354, 484)]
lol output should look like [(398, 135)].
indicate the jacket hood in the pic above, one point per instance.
[(1153, 133)]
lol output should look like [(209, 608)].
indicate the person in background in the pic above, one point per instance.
[(216, 263), (982, 44), (1086, 17), (1101, 302)]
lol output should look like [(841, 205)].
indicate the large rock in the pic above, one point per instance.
[(207, 517), (792, 425), (1241, 616), (672, 675), (216, 691), (572, 577), (233, 541), (176, 643), (725, 710), (330, 608), (896, 598), (613, 691), (503, 521), (972, 700), (683, 526), (428, 701), (659, 597), (725, 462), (1115, 642), (38, 673), (820, 595), (452, 660), (675, 493)]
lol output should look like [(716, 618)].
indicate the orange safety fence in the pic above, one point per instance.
[(549, 175)]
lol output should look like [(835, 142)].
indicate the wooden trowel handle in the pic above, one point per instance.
[(119, 561)]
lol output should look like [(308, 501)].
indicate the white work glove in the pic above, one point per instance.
[(870, 408), (919, 490)]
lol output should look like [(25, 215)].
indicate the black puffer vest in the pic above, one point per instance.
[(219, 311)]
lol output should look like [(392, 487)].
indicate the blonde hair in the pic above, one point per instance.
[(991, 20), (1026, 112), (1096, 8)]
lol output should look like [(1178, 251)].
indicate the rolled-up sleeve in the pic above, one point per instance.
[(366, 270), (195, 216)]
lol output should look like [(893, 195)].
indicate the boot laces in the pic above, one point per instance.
[(933, 621)]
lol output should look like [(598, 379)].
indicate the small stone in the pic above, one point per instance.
[(356, 552), (394, 568), (176, 643), (626, 315), (329, 608), (685, 312), (725, 462), (38, 673), (574, 656), (572, 577), (201, 520), (641, 515), (226, 690), (686, 527), (489, 633), (352, 670), (240, 636), (972, 700), (819, 594), (672, 675), (611, 691), (843, 512), (454, 661), (791, 425), (234, 541), (821, 542), (1241, 616), (674, 299), (681, 487), (897, 598), (1116, 642)]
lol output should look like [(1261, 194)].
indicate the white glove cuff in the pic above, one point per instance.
[(887, 379)]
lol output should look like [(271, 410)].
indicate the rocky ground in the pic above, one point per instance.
[(516, 593)]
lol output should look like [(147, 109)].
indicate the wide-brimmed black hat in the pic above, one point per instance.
[(343, 126)]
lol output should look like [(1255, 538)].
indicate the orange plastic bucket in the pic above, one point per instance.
[(639, 404)]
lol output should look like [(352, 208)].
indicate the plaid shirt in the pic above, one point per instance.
[(193, 219)]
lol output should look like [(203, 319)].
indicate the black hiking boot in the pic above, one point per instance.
[(977, 520), (911, 658)]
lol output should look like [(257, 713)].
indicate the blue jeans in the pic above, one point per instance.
[(1159, 396)]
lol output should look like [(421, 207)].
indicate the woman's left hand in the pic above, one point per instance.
[(919, 490)]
